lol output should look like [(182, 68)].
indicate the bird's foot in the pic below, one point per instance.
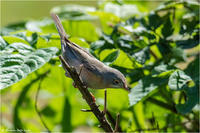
[(93, 98), (75, 86)]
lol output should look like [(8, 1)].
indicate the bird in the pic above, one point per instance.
[(93, 73)]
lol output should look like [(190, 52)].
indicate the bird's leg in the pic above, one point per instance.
[(105, 102)]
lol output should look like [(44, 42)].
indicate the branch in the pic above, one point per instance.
[(88, 97)]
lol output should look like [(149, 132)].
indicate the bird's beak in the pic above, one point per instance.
[(126, 88)]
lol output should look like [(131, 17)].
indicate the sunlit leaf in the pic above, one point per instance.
[(123, 11), (2, 43), (15, 66), (111, 57), (74, 12), (178, 80), (14, 39), (145, 87), (142, 55)]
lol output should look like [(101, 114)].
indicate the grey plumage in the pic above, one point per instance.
[(93, 72)]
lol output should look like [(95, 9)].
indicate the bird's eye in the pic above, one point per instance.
[(116, 82)]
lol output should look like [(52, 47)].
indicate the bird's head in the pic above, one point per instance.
[(115, 79)]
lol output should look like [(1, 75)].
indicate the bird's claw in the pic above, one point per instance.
[(93, 98), (74, 84)]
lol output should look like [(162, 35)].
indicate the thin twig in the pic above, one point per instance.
[(36, 107), (105, 102), (112, 120), (153, 54), (87, 96), (117, 123)]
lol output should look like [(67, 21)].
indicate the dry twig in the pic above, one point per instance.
[(117, 123), (105, 102)]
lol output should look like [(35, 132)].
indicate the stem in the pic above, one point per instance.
[(36, 107), (162, 104), (88, 97), (16, 119)]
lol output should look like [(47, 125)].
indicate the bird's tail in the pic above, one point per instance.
[(59, 26)]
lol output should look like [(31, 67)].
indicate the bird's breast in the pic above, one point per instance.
[(92, 80)]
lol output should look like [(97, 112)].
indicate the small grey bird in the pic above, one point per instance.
[(93, 72)]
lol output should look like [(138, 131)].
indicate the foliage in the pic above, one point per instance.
[(158, 52)]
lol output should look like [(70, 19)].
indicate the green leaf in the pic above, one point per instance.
[(33, 39), (122, 11), (154, 20), (188, 43), (16, 118), (17, 47), (66, 118), (16, 66), (162, 70), (178, 54), (74, 12), (193, 70), (48, 111), (178, 80), (80, 41), (168, 28), (36, 26), (111, 57), (192, 94), (105, 19), (2, 43), (142, 55), (13, 39), (145, 88), (124, 61)]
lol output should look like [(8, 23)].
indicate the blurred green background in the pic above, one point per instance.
[(16, 11)]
